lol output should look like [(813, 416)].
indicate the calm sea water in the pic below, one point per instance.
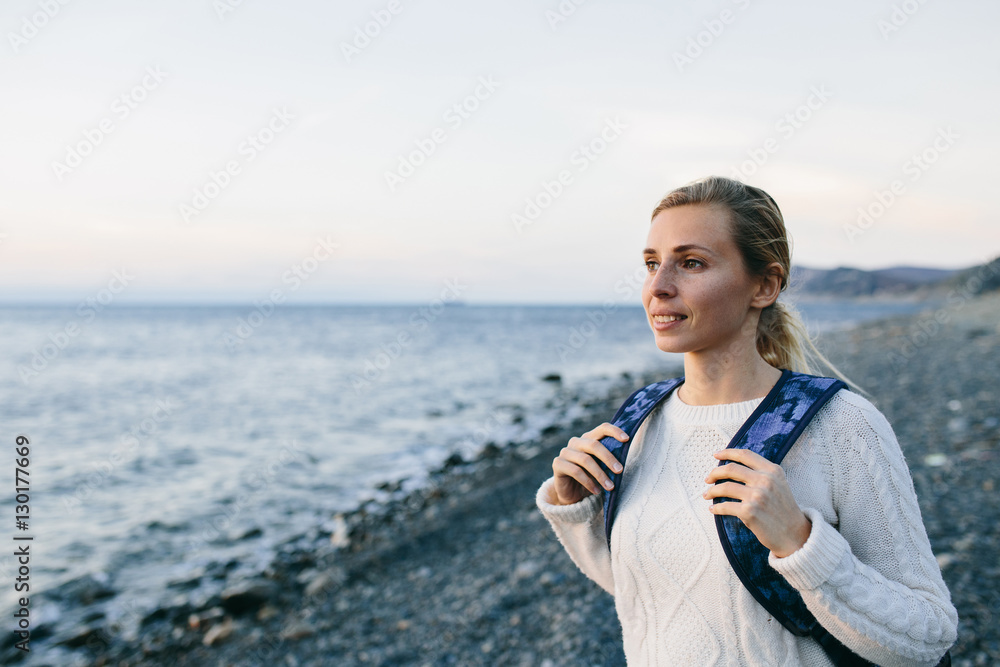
[(161, 437)]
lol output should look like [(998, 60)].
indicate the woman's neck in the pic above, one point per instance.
[(713, 378)]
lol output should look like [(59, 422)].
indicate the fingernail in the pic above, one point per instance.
[(618, 467), (608, 484)]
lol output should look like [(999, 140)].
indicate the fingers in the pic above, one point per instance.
[(565, 468), (606, 429), (744, 456), (590, 442), (732, 471), (588, 463), (577, 459), (746, 467), (727, 490)]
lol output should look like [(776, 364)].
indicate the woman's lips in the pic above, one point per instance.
[(664, 322)]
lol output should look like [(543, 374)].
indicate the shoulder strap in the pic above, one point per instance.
[(630, 415), (771, 431)]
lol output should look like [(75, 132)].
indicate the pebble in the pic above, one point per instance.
[(247, 596), (218, 633), (297, 630)]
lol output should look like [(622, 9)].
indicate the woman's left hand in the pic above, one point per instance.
[(767, 506)]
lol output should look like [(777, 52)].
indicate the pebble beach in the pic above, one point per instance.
[(466, 571)]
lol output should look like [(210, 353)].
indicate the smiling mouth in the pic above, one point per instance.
[(669, 318)]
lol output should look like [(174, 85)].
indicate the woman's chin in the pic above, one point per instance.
[(670, 345)]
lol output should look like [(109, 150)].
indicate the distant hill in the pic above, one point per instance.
[(893, 281)]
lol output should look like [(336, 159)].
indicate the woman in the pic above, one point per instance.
[(839, 516)]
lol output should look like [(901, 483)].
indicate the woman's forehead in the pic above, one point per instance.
[(674, 229)]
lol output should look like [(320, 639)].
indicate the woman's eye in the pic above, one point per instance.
[(687, 263), (651, 266)]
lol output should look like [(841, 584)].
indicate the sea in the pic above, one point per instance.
[(163, 439)]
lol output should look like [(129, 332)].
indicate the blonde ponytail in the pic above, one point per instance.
[(759, 231)]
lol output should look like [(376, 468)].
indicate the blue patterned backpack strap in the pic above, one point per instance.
[(771, 431), (630, 415)]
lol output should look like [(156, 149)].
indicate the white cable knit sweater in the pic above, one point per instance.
[(866, 572)]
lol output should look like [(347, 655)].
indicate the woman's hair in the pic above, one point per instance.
[(758, 229)]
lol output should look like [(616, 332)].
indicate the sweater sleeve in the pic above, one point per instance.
[(872, 581), (580, 529)]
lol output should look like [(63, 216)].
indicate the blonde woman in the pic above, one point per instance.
[(839, 516)]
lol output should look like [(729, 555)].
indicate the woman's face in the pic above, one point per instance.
[(697, 293)]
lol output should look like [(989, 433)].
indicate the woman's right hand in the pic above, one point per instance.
[(576, 471)]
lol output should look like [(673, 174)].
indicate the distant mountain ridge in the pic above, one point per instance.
[(893, 281)]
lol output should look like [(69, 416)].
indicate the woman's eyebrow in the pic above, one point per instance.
[(679, 249)]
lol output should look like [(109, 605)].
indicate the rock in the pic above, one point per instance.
[(945, 559), (253, 532), (340, 532), (247, 596), (965, 543), (86, 636), (935, 460), (82, 591), (297, 630), (218, 632), (168, 612), (391, 487), (195, 621), (318, 583), (454, 460), (185, 584), (526, 569), (266, 612)]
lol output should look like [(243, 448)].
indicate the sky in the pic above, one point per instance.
[(399, 152)]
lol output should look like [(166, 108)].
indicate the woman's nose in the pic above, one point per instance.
[(663, 283)]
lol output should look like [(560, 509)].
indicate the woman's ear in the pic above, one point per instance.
[(769, 286)]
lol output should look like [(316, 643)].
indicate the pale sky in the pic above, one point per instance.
[(115, 114)]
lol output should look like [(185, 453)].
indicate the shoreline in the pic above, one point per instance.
[(465, 570)]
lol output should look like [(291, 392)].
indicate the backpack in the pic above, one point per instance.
[(770, 431)]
